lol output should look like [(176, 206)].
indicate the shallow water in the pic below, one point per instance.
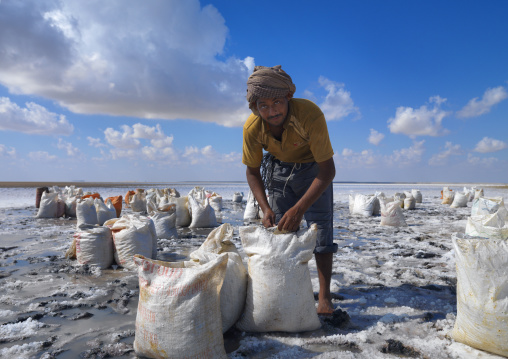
[(395, 283)]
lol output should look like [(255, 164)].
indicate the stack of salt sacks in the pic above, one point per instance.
[(481, 257), (279, 291), (117, 241), (92, 210), (179, 310), (55, 202)]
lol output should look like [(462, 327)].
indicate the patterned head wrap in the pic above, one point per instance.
[(268, 82)]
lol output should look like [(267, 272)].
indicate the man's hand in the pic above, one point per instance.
[(291, 220), (268, 218)]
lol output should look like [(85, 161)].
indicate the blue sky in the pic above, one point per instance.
[(155, 90)]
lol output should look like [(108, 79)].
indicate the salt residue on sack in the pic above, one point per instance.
[(86, 212), (234, 289), (459, 200), (482, 293), (486, 205), (391, 214), (164, 219), (133, 234), (279, 290), (94, 246), (179, 309), (202, 214)]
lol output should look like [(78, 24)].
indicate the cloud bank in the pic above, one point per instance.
[(148, 60)]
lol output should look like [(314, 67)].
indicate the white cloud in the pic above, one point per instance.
[(148, 143), (34, 119), (441, 158), (488, 144), (95, 142), (338, 102), (407, 156), (477, 107), (7, 152), (122, 140), (159, 59), (485, 162), (68, 148), (41, 156), (419, 122), (375, 137), (346, 152), (142, 131)]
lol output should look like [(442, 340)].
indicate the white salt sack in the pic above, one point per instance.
[(183, 217), (178, 312), (94, 246), (133, 234), (279, 290), (486, 205), (417, 194), (459, 200), (364, 205), (491, 226), (409, 202), (478, 192), (448, 196), (104, 212), (70, 206), (234, 289), (238, 197), (391, 214), (482, 293), (86, 212), (252, 210), (164, 220), (138, 202), (202, 214), (215, 202), (48, 207)]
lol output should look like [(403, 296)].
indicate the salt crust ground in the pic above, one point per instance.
[(396, 284)]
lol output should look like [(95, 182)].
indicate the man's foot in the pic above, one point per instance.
[(325, 307)]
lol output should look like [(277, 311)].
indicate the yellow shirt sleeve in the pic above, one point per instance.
[(320, 144), (252, 147)]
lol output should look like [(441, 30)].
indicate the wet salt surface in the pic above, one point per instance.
[(397, 285)]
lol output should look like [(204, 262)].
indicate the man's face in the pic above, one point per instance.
[(273, 110)]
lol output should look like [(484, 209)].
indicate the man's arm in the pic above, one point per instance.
[(292, 218), (258, 189)]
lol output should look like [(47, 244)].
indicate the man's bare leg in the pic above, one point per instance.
[(324, 263)]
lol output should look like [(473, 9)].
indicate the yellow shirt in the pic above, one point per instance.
[(305, 137)]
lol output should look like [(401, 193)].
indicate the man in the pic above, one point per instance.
[(294, 131)]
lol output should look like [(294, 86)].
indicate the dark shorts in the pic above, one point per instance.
[(289, 183)]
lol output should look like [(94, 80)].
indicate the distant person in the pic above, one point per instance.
[(298, 168)]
